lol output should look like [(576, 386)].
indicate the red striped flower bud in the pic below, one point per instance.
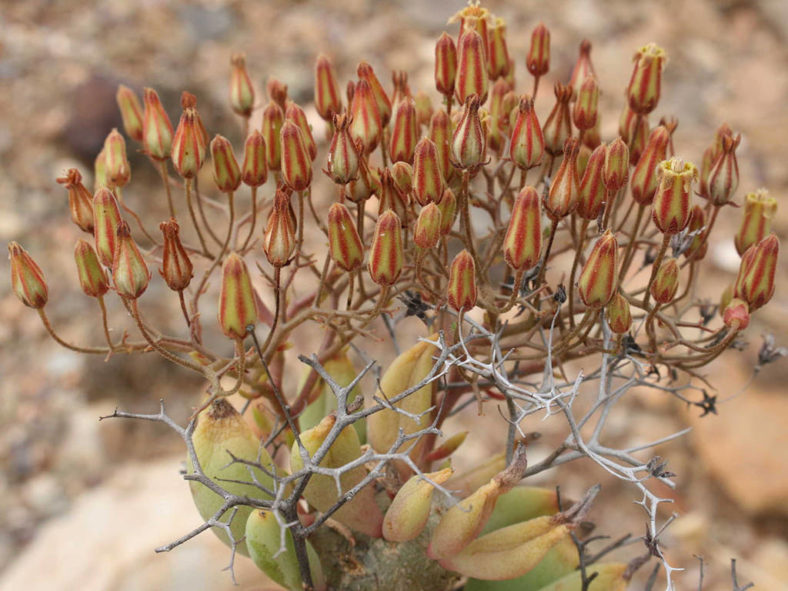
[(80, 201), (365, 125), (27, 279), (237, 309), (448, 207), (273, 118), (343, 240), (189, 101), (254, 170), (296, 114), (469, 140), (736, 315), (365, 72), (586, 110), (592, 193), (106, 218), (755, 282), (499, 118), (386, 255), (440, 134), (279, 236), (644, 177), (404, 131), (461, 289), (445, 64), (423, 108), (598, 281), (129, 272), (92, 277), (672, 200), (186, 156), (277, 92), (756, 223), (724, 176), (342, 154), (616, 171), (328, 96), (472, 75), (226, 173), (392, 198), (527, 146), (156, 127), (117, 164), (562, 198), (367, 184), (402, 174), (427, 177), (296, 164), (583, 69), (634, 131), (558, 126), (538, 59), (100, 171), (522, 245), (699, 245), (497, 52), (619, 317), (176, 267), (644, 85), (428, 226), (401, 89), (130, 111), (710, 157), (241, 89), (666, 281)]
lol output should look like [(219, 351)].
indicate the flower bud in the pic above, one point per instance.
[(407, 515), (522, 245), (156, 127), (562, 198), (427, 177), (440, 134), (448, 207), (428, 227), (176, 267), (424, 108), (27, 279), (558, 126), (130, 111), (644, 177), (498, 116), (724, 176), (401, 88), (365, 125), (189, 101), (634, 131), (129, 272), (586, 111), (80, 201), (279, 236), (583, 69), (592, 194), (254, 170), (273, 118), (710, 157), (402, 175), (736, 315), (616, 171), (92, 277), (226, 173), (755, 282), (343, 240), (538, 59), (237, 309), (472, 75), (756, 223), (186, 155), (241, 89), (527, 145), (367, 184), (296, 114), (666, 281), (673, 197), (365, 72), (445, 64), (118, 167), (404, 131), (296, 164), (328, 97), (342, 155), (461, 289), (497, 52), (469, 140), (699, 245), (618, 315), (644, 85), (106, 217), (386, 256), (598, 281), (277, 92), (392, 198), (100, 179)]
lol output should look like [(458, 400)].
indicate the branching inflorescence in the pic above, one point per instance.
[(523, 243)]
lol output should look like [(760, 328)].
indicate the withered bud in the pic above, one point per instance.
[(80, 201), (469, 141), (342, 155), (558, 127), (176, 267), (724, 175), (736, 315)]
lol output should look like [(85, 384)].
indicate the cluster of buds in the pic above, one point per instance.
[(457, 235)]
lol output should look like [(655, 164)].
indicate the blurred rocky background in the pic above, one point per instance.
[(83, 503)]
